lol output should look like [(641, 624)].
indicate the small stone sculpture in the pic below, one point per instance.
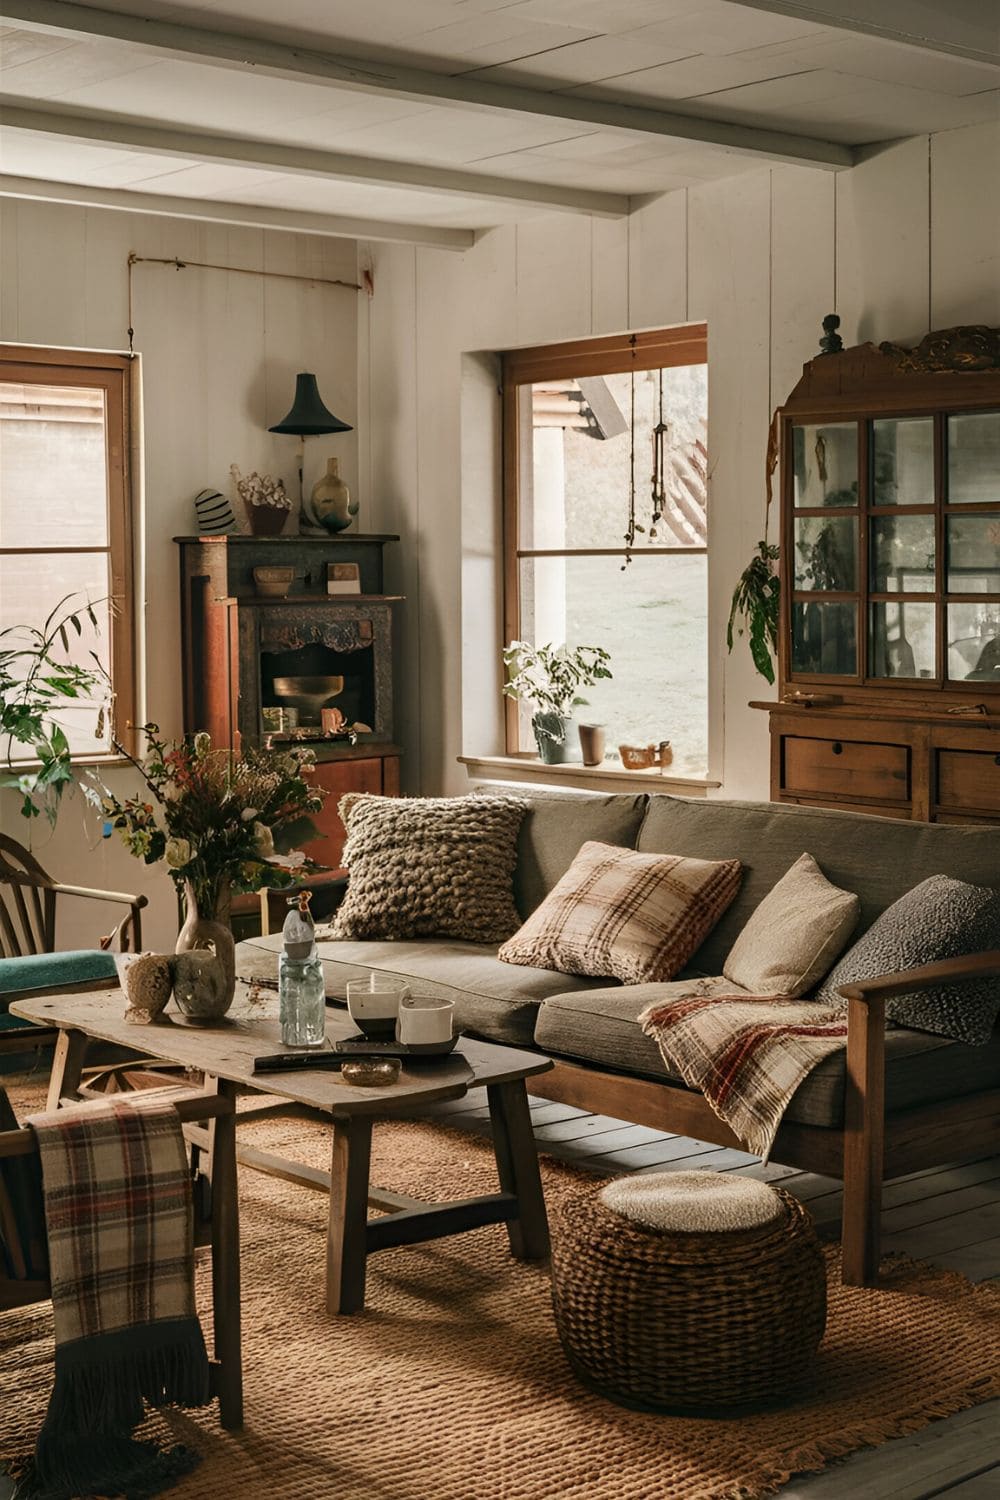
[(200, 985), (145, 978), (831, 342)]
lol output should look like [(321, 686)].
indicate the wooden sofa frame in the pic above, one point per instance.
[(870, 1147)]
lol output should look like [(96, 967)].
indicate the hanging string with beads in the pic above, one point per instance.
[(633, 526), (661, 435)]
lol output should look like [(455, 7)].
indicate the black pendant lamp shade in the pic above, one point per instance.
[(308, 416)]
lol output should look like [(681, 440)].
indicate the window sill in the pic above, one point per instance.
[(528, 768)]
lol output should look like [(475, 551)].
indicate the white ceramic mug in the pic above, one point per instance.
[(374, 1003), (424, 1020)]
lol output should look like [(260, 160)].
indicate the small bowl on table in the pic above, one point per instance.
[(273, 582)]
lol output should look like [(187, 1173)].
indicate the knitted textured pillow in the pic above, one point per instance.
[(429, 867), (623, 915), (940, 918)]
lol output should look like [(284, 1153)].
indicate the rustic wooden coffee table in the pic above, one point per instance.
[(225, 1052)]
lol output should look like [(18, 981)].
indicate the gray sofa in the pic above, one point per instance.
[(590, 1025)]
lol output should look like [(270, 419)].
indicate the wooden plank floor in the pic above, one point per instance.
[(950, 1215)]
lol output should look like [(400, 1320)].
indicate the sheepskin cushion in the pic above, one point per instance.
[(692, 1202), (429, 867), (621, 915)]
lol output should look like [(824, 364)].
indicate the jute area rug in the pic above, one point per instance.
[(452, 1384)]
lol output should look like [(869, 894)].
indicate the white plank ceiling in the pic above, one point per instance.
[(460, 114)]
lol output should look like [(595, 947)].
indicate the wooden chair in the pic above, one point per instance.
[(24, 1277), (29, 900)]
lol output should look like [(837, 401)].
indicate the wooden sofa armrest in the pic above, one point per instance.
[(945, 971)]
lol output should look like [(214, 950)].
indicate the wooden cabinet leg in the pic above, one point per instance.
[(517, 1168), (226, 1265), (67, 1066), (346, 1245)]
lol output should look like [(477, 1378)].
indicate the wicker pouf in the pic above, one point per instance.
[(725, 1312)]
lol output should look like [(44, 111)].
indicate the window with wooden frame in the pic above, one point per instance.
[(65, 515), (606, 528)]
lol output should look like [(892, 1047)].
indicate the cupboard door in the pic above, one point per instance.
[(968, 779), (337, 777)]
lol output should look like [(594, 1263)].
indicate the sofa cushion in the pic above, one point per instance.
[(37, 972), (795, 935), (555, 827), (625, 915), (600, 1026), (939, 918), (492, 1000), (429, 867), (879, 858)]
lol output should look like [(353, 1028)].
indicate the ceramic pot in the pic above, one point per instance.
[(331, 504), (201, 993), (591, 743), (551, 731)]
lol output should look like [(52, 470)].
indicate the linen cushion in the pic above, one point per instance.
[(35, 972), (880, 858), (625, 915), (795, 935), (556, 825), (940, 918), (429, 867)]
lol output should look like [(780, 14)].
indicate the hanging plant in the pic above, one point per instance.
[(757, 596)]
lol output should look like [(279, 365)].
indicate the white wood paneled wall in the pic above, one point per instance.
[(906, 241), (219, 353)]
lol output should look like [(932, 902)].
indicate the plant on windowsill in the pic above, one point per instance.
[(37, 681), (548, 679), (757, 596)]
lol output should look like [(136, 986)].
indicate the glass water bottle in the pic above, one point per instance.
[(301, 992)]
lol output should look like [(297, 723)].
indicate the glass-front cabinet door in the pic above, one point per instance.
[(893, 539)]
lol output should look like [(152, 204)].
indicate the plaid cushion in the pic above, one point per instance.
[(623, 915)]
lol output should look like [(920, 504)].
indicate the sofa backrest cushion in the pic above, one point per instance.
[(556, 827), (879, 858)]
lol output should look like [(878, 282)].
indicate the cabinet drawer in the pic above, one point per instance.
[(846, 768), (968, 779)]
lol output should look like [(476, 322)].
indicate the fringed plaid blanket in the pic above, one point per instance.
[(118, 1211), (746, 1053)]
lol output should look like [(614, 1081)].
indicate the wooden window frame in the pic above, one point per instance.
[(111, 373), (611, 354)]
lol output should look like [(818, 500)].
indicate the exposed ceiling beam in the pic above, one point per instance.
[(253, 216), (338, 70), (300, 161), (960, 28)]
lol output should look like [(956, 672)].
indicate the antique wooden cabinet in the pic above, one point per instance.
[(889, 659), (238, 644)]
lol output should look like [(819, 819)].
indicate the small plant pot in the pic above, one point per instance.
[(551, 738), (591, 743), (267, 520)]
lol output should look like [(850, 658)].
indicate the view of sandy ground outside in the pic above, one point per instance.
[(53, 496), (651, 614)]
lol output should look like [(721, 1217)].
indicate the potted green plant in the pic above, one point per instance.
[(548, 680), (38, 680)]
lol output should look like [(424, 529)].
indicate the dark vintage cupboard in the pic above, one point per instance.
[(889, 649), (235, 644)]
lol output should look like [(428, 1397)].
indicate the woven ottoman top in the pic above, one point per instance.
[(692, 1202)]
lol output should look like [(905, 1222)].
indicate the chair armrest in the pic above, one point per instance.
[(945, 971), (121, 897)]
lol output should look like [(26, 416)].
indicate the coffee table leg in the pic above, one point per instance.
[(67, 1066), (517, 1167), (346, 1248)]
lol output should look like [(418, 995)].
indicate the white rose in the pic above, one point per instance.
[(202, 743), (248, 814), (178, 853), (290, 861), (170, 791)]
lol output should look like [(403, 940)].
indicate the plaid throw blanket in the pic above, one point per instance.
[(118, 1212), (746, 1053)]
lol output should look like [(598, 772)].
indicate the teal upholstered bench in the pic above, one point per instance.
[(34, 974)]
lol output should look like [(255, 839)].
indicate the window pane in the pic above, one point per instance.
[(903, 461), (53, 468), (826, 553), (825, 464), (974, 642), (574, 482), (901, 643), (902, 554), (824, 638), (30, 587), (973, 554), (974, 459), (653, 619)]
